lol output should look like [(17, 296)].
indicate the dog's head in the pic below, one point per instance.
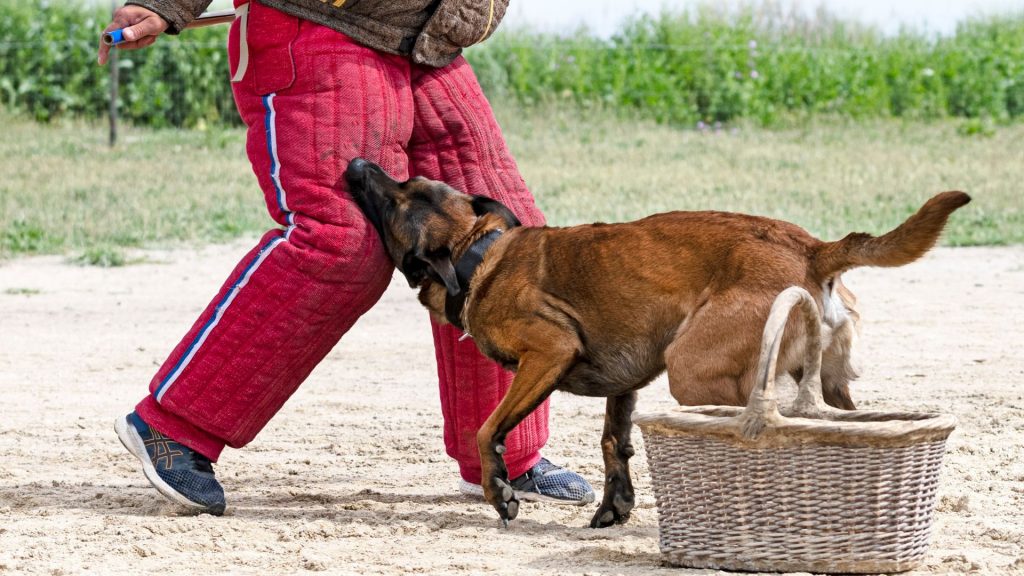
[(425, 225)]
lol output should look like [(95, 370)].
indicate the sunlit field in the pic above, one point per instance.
[(65, 191)]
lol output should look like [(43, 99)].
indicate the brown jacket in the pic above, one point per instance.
[(430, 32)]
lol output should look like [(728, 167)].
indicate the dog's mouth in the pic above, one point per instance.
[(360, 176), (369, 185)]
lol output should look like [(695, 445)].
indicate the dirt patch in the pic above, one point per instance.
[(351, 476)]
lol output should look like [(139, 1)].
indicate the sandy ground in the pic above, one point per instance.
[(351, 476)]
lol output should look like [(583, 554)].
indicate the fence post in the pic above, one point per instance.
[(112, 62)]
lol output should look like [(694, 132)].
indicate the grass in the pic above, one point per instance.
[(22, 292), (65, 191), (829, 177), (105, 257)]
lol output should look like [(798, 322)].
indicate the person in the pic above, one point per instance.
[(317, 83)]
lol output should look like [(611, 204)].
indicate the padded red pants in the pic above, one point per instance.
[(312, 100)]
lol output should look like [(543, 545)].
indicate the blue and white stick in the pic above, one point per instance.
[(114, 37)]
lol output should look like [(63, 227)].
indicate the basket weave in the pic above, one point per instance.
[(819, 490)]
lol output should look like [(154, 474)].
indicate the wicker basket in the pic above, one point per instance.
[(819, 490)]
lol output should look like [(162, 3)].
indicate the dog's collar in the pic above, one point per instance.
[(464, 270)]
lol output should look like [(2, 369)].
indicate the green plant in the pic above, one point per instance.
[(48, 69), (22, 291), (688, 67), (976, 127), (102, 256), (759, 62)]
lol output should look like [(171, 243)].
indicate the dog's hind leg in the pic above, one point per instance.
[(713, 357), (617, 449)]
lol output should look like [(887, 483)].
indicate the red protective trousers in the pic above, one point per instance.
[(312, 100)]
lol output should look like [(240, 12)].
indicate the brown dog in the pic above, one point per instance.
[(602, 309)]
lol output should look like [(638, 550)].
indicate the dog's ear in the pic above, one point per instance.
[(417, 266), (441, 263), (484, 205)]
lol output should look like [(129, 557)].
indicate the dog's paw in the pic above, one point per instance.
[(505, 501), (615, 511)]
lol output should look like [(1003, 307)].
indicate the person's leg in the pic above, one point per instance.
[(457, 140), (312, 100)]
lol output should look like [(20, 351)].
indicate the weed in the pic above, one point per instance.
[(102, 256), (22, 291), (976, 127)]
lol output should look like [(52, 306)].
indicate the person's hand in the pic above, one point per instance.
[(141, 28)]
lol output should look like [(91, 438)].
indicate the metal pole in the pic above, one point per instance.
[(212, 19), (112, 62)]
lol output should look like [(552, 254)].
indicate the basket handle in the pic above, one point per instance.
[(763, 408)]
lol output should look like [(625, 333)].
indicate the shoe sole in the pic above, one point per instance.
[(470, 489), (131, 440)]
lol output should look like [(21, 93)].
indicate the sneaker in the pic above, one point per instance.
[(175, 470), (545, 482)]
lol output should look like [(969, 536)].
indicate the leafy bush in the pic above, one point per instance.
[(48, 69), (756, 62), (762, 63)]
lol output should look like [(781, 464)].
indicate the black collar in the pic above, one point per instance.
[(464, 270)]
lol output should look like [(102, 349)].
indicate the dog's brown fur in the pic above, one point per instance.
[(602, 309)]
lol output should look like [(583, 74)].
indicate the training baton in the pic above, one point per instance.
[(115, 37)]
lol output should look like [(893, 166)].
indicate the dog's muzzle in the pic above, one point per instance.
[(358, 174)]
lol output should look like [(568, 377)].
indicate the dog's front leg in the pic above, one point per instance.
[(536, 377), (617, 449)]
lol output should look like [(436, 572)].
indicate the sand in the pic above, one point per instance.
[(351, 476)]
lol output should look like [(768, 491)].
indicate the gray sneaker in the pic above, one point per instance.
[(545, 482)]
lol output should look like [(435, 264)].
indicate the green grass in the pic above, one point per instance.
[(22, 292), (829, 177), (104, 257), (65, 191)]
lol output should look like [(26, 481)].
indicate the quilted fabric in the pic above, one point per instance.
[(311, 103)]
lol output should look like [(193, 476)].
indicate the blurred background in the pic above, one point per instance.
[(604, 17), (837, 116)]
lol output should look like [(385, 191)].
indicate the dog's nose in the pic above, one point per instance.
[(357, 167)]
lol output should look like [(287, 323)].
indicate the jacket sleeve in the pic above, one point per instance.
[(456, 24), (177, 13)]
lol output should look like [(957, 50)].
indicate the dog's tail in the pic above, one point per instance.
[(908, 242)]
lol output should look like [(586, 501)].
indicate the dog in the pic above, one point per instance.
[(602, 309)]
